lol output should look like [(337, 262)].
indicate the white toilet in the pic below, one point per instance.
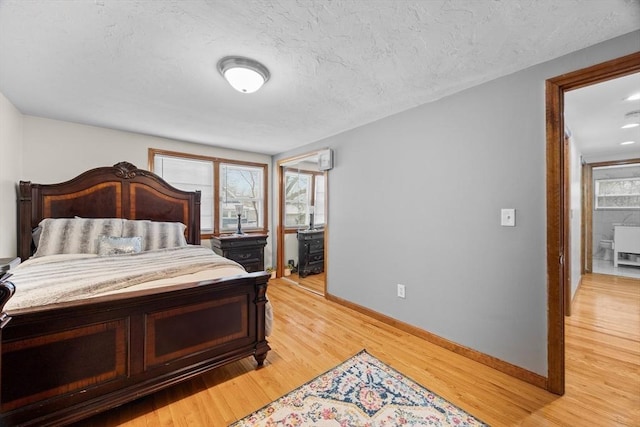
[(607, 247)]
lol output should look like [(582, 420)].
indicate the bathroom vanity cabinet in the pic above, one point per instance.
[(626, 240)]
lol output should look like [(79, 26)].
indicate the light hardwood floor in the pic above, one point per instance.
[(311, 335), (313, 282)]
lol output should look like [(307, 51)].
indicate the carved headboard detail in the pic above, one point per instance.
[(120, 191)]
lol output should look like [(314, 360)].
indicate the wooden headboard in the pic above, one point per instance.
[(121, 191)]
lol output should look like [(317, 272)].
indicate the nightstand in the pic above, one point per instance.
[(310, 252), (7, 264), (245, 249)]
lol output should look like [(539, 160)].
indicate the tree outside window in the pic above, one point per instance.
[(240, 183), (303, 189)]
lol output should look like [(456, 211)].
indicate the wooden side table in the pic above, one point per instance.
[(310, 252), (245, 249), (7, 264)]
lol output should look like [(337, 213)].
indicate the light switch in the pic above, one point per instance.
[(508, 218)]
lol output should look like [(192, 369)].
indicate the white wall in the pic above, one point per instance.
[(11, 137), (290, 248), (576, 216), (415, 199), (56, 151)]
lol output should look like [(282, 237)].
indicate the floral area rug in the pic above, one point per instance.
[(362, 391)]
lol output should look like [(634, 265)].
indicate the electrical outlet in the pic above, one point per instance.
[(400, 290)]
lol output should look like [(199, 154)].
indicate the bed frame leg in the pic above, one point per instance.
[(261, 353)]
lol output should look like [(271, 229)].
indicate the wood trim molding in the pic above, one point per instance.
[(281, 230), (587, 207), (587, 219), (493, 362), (566, 227), (557, 246), (555, 234), (615, 163), (578, 287)]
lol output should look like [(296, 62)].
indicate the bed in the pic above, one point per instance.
[(80, 354)]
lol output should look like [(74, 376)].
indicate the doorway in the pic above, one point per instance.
[(558, 203), (602, 123), (302, 222), (601, 221)]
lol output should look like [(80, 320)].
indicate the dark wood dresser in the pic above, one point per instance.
[(245, 249), (7, 264), (310, 252)]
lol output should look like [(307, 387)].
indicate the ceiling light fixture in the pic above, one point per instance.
[(243, 74), (631, 119), (627, 143)]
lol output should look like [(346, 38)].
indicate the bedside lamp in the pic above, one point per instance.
[(239, 212), (311, 212)]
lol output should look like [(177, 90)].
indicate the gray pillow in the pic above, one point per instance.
[(75, 235), (156, 234)]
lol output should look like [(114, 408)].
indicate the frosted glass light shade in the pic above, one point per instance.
[(243, 74), (244, 80)]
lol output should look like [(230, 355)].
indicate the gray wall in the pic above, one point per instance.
[(452, 164), (415, 199), (575, 229)]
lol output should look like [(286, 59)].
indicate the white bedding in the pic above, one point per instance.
[(46, 280)]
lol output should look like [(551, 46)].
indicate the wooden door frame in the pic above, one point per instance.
[(587, 205), (558, 214), (566, 235), (281, 229), (587, 218)]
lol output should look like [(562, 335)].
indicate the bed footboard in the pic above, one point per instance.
[(73, 361), (7, 290)]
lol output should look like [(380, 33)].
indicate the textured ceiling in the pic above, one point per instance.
[(150, 66)]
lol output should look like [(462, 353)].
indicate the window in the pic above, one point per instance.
[(239, 183), (297, 191), (318, 200), (190, 175), (620, 193), (303, 189)]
